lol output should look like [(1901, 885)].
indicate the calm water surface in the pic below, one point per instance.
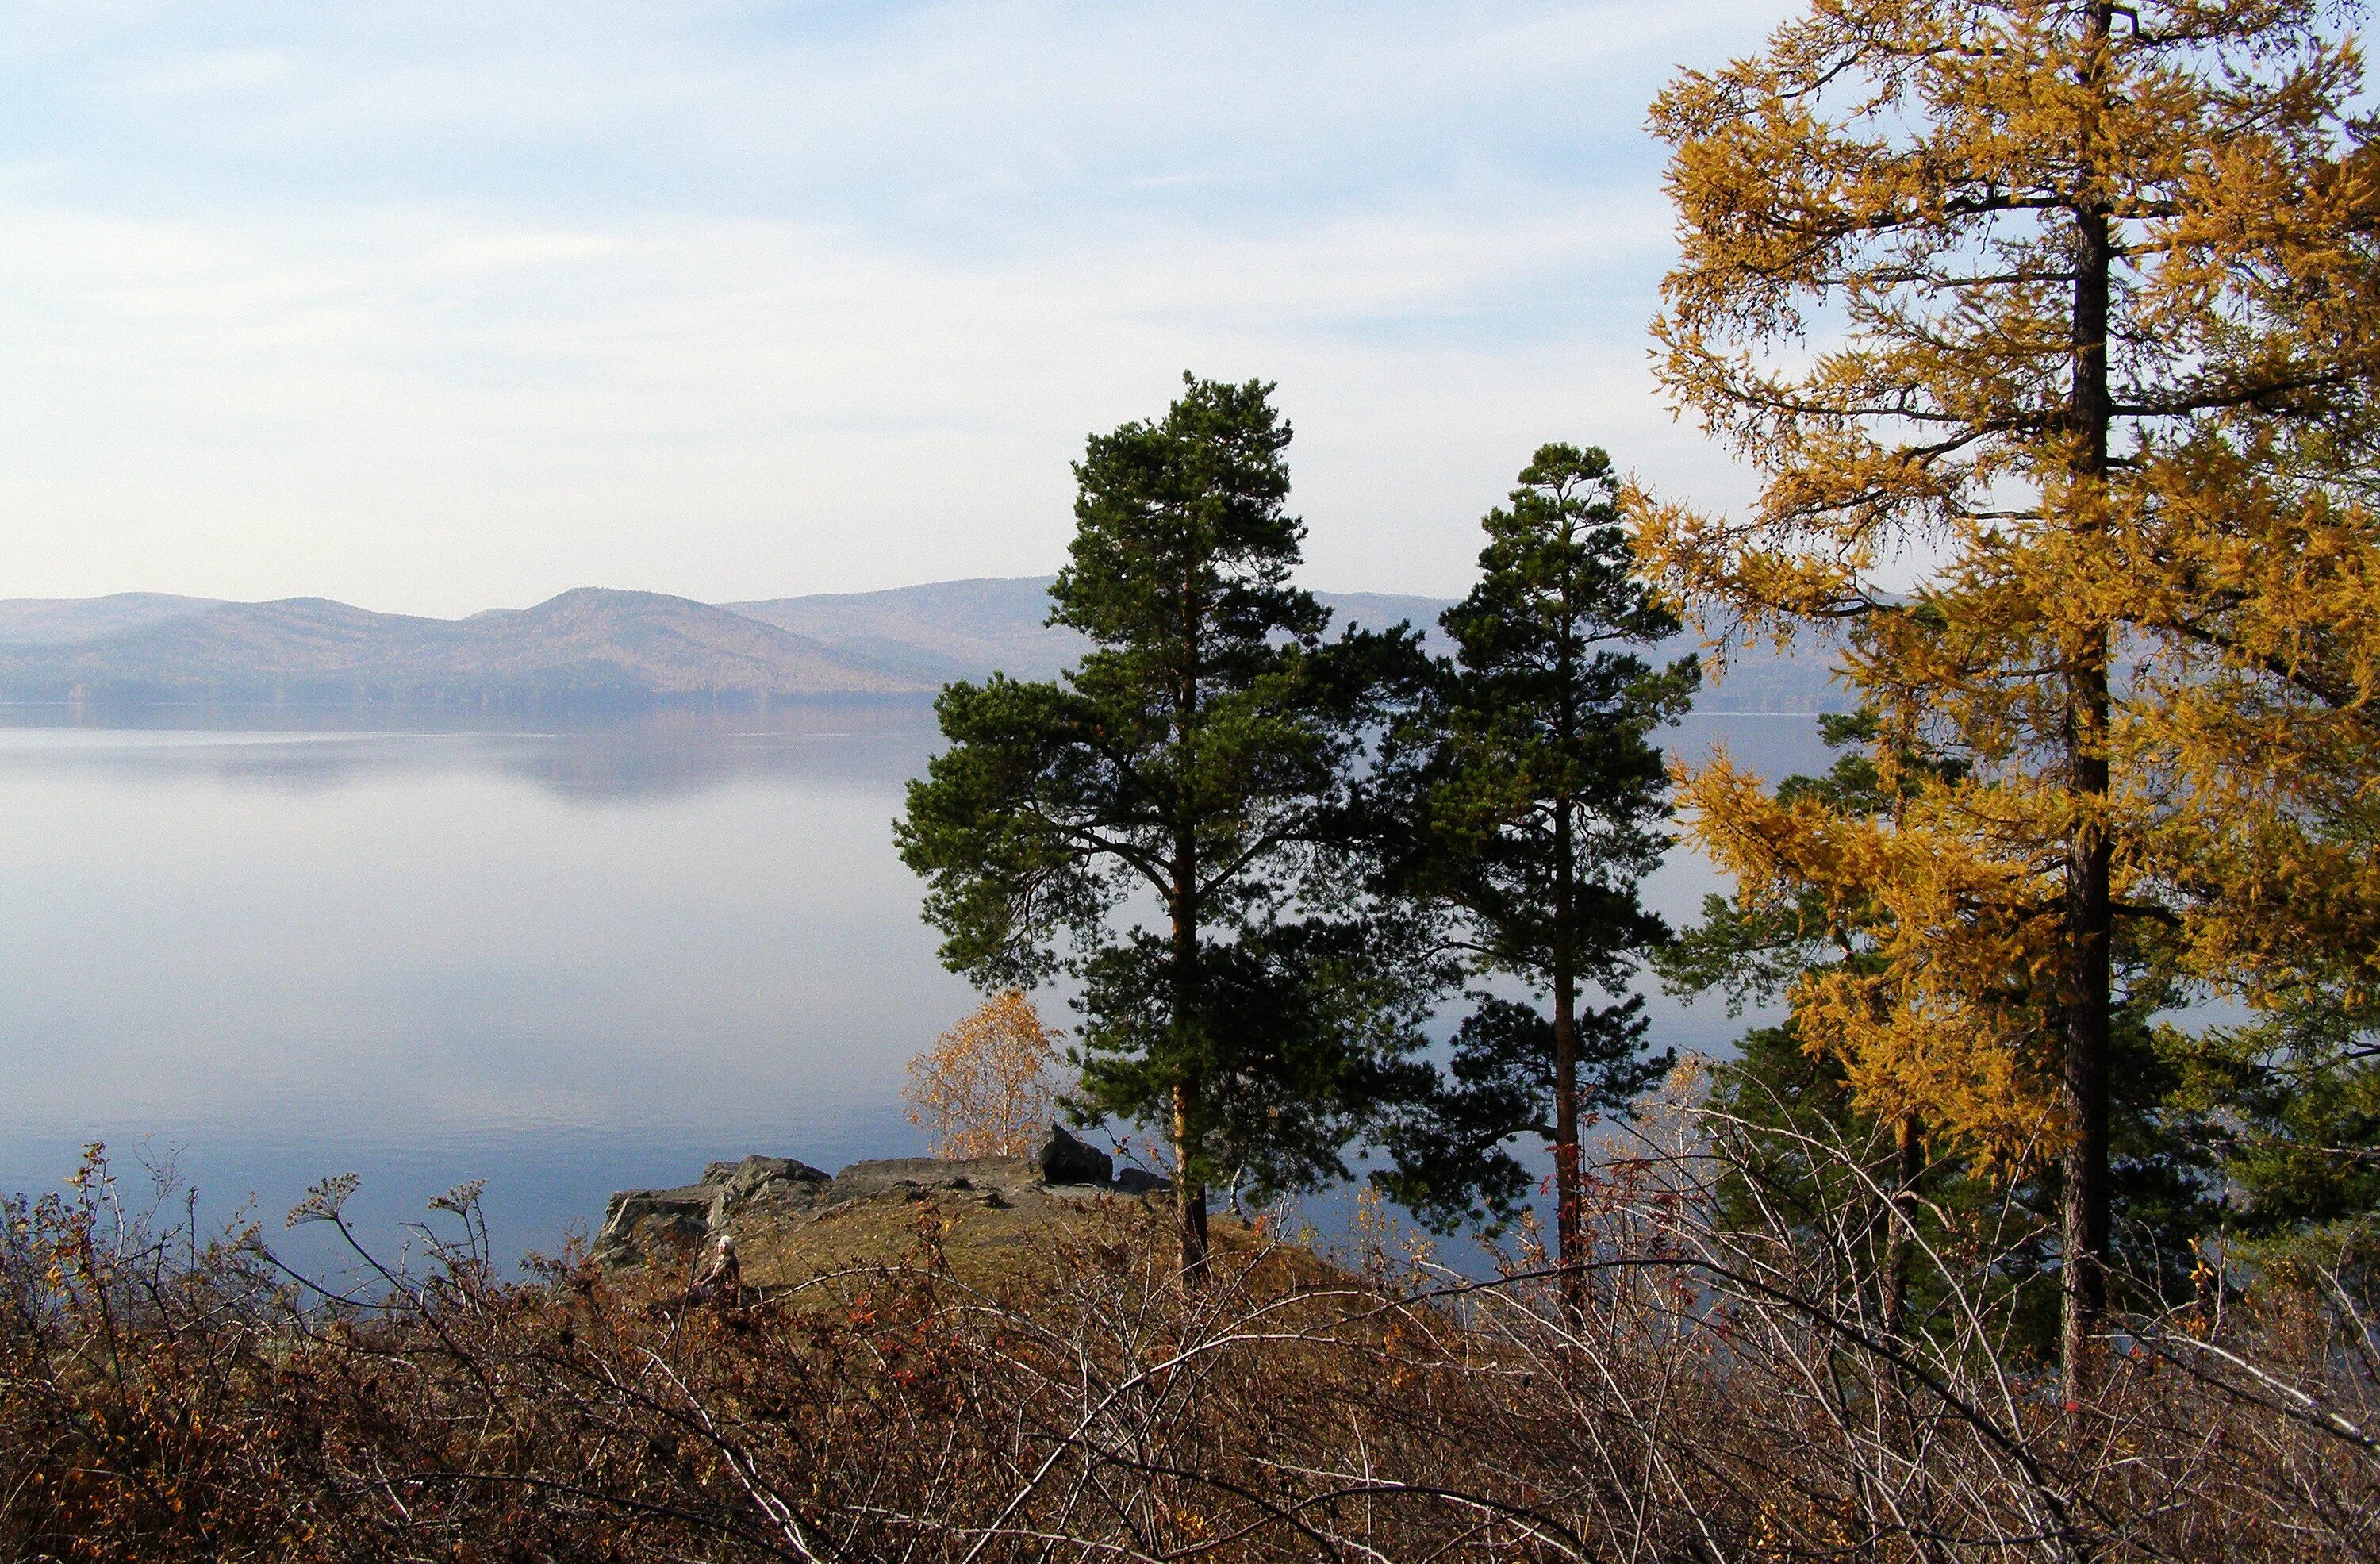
[(562, 957)]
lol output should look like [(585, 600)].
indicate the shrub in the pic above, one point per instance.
[(1725, 1394), (989, 1084)]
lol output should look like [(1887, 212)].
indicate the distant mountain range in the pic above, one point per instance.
[(593, 644), (964, 629), (588, 645)]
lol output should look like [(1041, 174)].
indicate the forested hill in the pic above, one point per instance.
[(595, 644)]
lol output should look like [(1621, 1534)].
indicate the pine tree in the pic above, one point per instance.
[(1531, 803), (2072, 304), (1199, 758), (2298, 1093)]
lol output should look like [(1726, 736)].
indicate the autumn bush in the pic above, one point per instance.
[(1725, 1394), (989, 1084)]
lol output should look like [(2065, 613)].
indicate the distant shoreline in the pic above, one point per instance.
[(595, 649), (627, 702)]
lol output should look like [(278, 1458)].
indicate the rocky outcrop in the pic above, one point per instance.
[(641, 1226), (756, 1178), (1065, 1160), (647, 1224)]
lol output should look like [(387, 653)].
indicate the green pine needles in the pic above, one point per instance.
[(1519, 803), (1170, 824)]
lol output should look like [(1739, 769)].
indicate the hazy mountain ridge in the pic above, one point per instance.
[(966, 628), (42, 621), (589, 644), (594, 643), (939, 631)]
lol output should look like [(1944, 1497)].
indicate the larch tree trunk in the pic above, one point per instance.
[(2088, 998), (1908, 1167)]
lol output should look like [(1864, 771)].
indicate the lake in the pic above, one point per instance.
[(565, 957)]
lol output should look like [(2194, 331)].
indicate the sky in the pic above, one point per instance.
[(437, 307)]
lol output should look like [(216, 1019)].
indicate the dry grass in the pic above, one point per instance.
[(992, 1224)]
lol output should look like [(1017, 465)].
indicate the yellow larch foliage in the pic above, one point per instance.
[(989, 1085), (1943, 1029), (2070, 312)]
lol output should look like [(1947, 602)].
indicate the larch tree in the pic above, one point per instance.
[(1781, 937), (1529, 800), (2065, 309), (1169, 824), (1779, 1099)]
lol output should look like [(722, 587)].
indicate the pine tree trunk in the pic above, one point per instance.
[(1189, 1185), (1189, 1194), (1569, 1187), (2088, 978), (1189, 1179)]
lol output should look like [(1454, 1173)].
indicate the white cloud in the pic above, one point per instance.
[(347, 361), (209, 71)]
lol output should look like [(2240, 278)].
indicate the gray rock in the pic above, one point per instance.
[(863, 1180), (1140, 1181), (1065, 1160), (756, 1176), (642, 1225)]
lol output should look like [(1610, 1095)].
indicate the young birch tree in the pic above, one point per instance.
[(989, 1084), (2071, 304)]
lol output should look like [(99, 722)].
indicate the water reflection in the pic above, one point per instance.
[(563, 956), (595, 755)]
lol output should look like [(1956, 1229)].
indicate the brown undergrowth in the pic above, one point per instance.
[(1724, 1396)]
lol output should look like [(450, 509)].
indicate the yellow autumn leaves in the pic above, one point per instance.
[(2069, 315), (989, 1085)]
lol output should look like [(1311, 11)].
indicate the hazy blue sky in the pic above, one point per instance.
[(442, 307)]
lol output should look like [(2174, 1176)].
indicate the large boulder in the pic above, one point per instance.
[(1065, 1160), (761, 1178), (645, 1225), (642, 1225)]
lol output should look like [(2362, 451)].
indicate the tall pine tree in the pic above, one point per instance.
[(1197, 765), (1529, 800)]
